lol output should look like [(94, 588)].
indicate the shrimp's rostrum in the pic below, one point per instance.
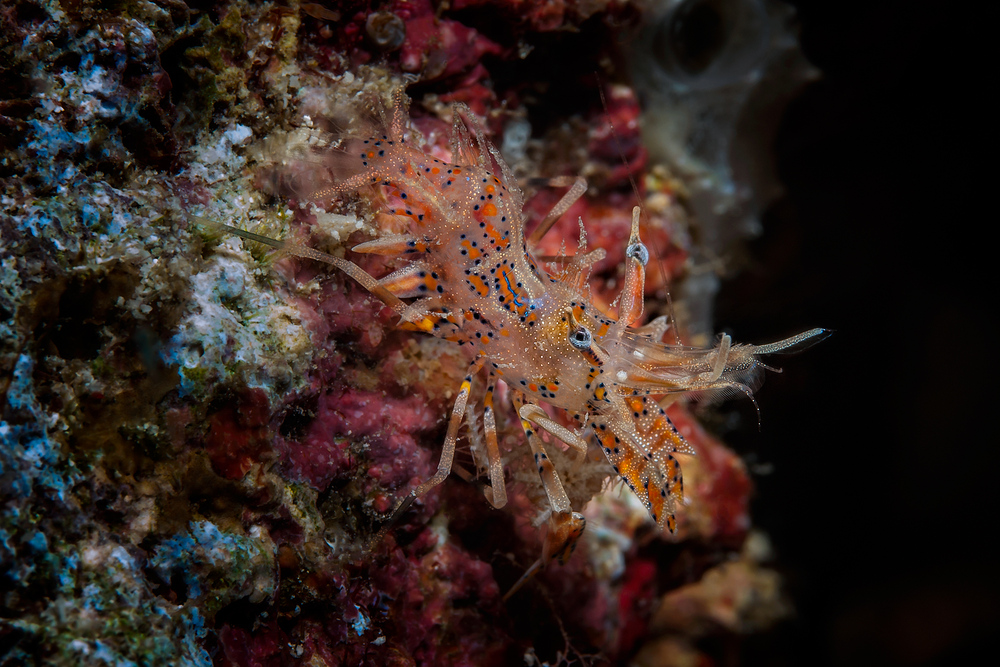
[(472, 279)]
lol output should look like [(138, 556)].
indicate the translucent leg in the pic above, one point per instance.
[(537, 416), (447, 451), (565, 525), (496, 492)]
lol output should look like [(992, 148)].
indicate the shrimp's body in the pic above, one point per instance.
[(475, 281)]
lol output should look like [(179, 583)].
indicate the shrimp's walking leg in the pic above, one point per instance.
[(537, 416), (496, 493), (447, 452), (565, 525), (558, 500), (457, 413), (575, 192)]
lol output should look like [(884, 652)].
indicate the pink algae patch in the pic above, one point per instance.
[(638, 590), (440, 602), (238, 435), (440, 47), (351, 424), (264, 647), (539, 15)]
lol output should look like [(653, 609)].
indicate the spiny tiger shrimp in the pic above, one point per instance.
[(473, 279)]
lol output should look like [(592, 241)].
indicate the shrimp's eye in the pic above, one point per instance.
[(581, 338), (638, 252)]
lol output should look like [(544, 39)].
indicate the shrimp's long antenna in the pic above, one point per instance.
[(638, 199), (350, 268)]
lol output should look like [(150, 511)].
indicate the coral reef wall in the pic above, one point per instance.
[(200, 441)]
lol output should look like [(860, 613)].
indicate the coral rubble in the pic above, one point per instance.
[(200, 441)]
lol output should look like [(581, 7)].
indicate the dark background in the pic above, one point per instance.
[(881, 503)]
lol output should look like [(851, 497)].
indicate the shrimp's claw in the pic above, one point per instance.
[(565, 530)]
